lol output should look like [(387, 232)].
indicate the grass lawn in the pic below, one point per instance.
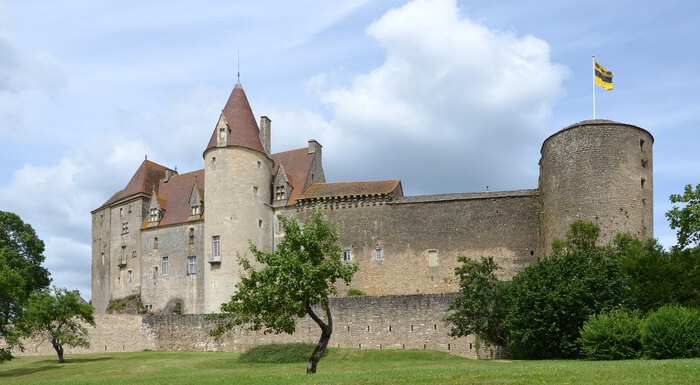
[(340, 366)]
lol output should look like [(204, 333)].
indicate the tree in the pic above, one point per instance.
[(479, 310), (21, 255), (686, 220), (299, 275), (657, 277), (58, 317), (549, 301)]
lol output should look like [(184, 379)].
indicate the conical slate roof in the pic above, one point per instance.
[(244, 130)]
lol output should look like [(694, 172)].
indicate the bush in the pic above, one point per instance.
[(614, 335), (278, 353), (672, 332), (548, 302), (355, 292)]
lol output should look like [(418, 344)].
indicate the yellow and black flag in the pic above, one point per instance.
[(603, 77)]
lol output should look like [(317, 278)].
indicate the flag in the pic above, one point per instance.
[(603, 77)]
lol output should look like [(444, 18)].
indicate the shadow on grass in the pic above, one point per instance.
[(48, 365), (26, 371)]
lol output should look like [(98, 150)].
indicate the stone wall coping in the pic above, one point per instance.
[(596, 122), (465, 196)]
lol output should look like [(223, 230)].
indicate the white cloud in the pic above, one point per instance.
[(68, 262), (451, 95)]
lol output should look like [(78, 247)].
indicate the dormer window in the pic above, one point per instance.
[(153, 215), (195, 210), (280, 192), (222, 132)]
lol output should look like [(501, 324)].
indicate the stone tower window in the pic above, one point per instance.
[(378, 254), (165, 265), (122, 256), (131, 276), (260, 223), (280, 192), (432, 258), (155, 273), (125, 227), (347, 255), (191, 236), (191, 265), (641, 144), (153, 215), (643, 180), (103, 257), (155, 243), (216, 247)]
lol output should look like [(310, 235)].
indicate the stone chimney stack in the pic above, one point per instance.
[(265, 123), (315, 148)]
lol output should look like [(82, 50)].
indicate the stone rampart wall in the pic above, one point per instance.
[(370, 322)]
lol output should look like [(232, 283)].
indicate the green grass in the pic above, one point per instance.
[(278, 353), (340, 366)]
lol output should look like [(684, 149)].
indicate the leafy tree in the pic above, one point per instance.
[(21, 255), (300, 274), (479, 310), (658, 277), (549, 301), (686, 219), (59, 318)]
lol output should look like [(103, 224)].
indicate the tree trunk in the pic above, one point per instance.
[(326, 331), (59, 350)]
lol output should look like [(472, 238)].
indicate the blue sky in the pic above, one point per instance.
[(448, 96)]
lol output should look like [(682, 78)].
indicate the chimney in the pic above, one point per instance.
[(169, 173), (315, 148), (265, 133)]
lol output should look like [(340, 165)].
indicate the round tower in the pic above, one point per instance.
[(599, 171), (237, 210)]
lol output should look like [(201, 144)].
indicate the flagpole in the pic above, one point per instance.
[(593, 86)]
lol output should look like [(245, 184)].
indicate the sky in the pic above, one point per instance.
[(446, 95)]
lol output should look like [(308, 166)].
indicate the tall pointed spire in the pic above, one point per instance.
[(243, 130)]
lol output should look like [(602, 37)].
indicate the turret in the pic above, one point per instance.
[(599, 171), (238, 171)]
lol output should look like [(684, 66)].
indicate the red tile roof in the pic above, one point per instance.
[(146, 177), (323, 190), (244, 130), (297, 165), (176, 192)]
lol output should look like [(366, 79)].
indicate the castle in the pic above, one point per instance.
[(174, 238)]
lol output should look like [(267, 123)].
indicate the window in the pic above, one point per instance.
[(155, 272), (131, 276), (119, 281), (279, 192), (216, 246), (191, 236), (259, 164), (125, 227), (192, 265), (155, 243), (103, 257), (280, 226), (260, 223), (121, 211), (122, 257), (222, 132), (153, 216), (347, 256), (196, 210), (432, 258), (255, 190), (165, 265), (378, 254)]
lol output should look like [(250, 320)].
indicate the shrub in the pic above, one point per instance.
[(672, 332), (548, 302), (614, 335), (355, 292), (278, 353)]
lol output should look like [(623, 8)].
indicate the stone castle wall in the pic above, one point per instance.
[(420, 237), (381, 322), (162, 291)]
